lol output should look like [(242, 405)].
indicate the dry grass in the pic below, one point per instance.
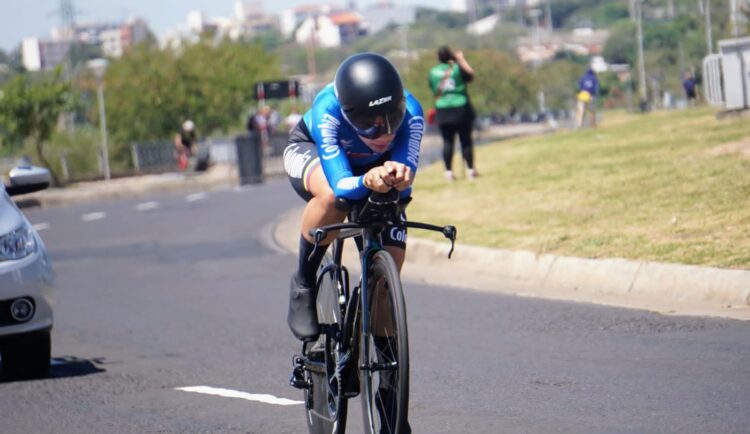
[(649, 187)]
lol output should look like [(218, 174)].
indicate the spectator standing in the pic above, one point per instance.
[(454, 112), (292, 119), (688, 83), (588, 89), (262, 123)]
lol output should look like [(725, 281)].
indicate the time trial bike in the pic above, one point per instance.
[(363, 346)]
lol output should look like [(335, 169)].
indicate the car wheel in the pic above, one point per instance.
[(27, 358)]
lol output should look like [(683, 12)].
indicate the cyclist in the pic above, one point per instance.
[(185, 144), (362, 134)]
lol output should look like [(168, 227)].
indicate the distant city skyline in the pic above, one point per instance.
[(34, 18)]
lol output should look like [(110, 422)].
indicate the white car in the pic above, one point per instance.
[(26, 282)]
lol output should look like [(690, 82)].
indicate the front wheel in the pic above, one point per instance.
[(384, 351), (28, 357)]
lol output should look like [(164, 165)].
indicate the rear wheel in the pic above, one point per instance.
[(326, 404), (384, 351)]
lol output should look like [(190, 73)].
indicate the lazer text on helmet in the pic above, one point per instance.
[(381, 101)]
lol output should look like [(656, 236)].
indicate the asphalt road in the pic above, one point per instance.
[(179, 291)]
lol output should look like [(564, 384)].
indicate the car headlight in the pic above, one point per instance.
[(17, 244)]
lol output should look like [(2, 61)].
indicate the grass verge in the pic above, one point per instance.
[(668, 186)]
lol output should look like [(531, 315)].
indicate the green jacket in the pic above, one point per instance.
[(454, 87)]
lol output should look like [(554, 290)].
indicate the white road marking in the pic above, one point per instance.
[(41, 226), (244, 188), (145, 206), (195, 196), (93, 216), (229, 393), (267, 238)]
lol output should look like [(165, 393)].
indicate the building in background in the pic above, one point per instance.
[(113, 39), (252, 19), (118, 41), (38, 54), (582, 42), (249, 20), (331, 30), (291, 19), (385, 12)]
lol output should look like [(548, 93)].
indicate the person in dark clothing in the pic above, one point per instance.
[(688, 83), (455, 114), (588, 89)]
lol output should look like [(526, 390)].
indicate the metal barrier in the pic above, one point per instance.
[(154, 156), (278, 142), (158, 156)]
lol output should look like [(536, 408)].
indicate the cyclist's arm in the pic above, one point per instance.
[(340, 177), (324, 123), (409, 138)]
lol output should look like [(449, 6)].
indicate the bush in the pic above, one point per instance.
[(79, 147)]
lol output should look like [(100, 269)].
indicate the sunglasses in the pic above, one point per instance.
[(374, 127)]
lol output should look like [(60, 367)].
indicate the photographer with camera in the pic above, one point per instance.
[(453, 110)]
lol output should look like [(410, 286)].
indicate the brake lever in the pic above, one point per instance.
[(450, 233), (318, 236)]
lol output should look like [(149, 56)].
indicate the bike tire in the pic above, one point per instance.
[(326, 406), (384, 393)]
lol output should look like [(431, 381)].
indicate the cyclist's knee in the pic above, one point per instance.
[(325, 201)]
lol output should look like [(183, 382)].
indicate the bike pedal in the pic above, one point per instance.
[(297, 377)]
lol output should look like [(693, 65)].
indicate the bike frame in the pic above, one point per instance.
[(367, 222), (371, 244)]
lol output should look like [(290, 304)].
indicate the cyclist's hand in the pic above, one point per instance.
[(401, 173), (379, 179)]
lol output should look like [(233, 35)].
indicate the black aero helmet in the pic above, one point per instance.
[(371, 94)]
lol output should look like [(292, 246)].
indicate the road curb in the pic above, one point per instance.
[(683, 283), (684, 288)]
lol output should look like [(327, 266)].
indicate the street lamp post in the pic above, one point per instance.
[(641, 61), (709, 34), (98, 67)]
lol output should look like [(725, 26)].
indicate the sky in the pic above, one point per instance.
[(23, 18)]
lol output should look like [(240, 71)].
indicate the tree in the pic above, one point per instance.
[(30, 109), (150, 92), (501, 81), (621, 44), (442, 19), (559, 81)]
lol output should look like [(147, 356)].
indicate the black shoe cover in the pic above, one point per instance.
[(302, 317)]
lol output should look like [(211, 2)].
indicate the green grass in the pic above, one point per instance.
[(648, 187)]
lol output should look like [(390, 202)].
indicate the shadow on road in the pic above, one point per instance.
[(28, 203), (64, 367)]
